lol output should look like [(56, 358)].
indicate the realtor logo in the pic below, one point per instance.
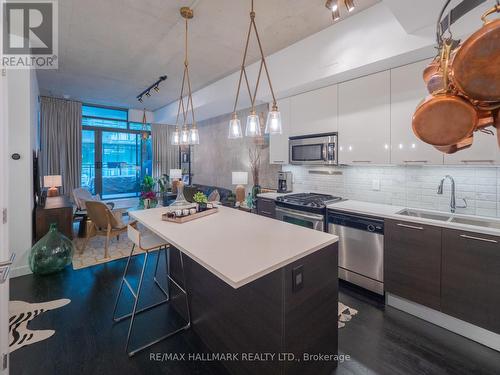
[(29, 34)]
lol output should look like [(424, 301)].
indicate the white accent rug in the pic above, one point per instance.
[(345, 314), (20, 314), (94, 252)]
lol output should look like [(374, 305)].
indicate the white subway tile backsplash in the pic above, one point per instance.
[(408, 186)]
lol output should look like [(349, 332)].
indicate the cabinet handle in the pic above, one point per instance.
[(361, 161), (410, 226), (278, 161), (477, 161), (265, 212), (477, 238), (416, 161)]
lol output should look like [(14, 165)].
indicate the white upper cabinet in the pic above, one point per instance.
[(484, 151), (364, 120), (314, 112), (278, 143), (407, 91)]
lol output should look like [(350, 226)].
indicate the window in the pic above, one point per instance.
[(115, 158)]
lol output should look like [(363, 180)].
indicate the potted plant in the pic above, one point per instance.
[(201, 199), (148, 196)]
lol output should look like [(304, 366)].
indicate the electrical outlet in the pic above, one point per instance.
[(297, 278), (376, 185)]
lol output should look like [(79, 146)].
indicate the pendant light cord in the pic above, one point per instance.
[(263, 66)]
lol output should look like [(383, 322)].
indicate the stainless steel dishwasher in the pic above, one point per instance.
[(361, 249)]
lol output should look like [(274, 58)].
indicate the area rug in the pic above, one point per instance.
[(345, 314), (20, 314), (94, 252)]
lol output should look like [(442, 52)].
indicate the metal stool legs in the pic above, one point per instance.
[(136, 294)]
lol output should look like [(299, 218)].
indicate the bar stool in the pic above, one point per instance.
[(149, 243)]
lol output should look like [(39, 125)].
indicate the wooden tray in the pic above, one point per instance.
[(185, 219)]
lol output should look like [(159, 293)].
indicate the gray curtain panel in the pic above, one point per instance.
[(61, 141), (165, 156)]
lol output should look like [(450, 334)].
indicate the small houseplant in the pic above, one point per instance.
[(148, 195), (201, 199)]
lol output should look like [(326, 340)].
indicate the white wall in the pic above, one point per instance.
[(23, 138)]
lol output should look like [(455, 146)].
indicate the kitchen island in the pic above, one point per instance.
[(259, 289)]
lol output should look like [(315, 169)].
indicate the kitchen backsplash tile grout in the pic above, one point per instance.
[(409, 186)]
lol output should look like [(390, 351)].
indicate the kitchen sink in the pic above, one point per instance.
[(424, 215), (476, 222)]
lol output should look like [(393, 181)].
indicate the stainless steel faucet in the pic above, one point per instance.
[(453, 203)]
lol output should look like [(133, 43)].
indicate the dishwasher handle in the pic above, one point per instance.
[(364, 223)]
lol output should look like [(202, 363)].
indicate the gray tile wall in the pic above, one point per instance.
[(409, 186), (217, 156)]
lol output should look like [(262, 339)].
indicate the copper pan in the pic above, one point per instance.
[(497, 125), (466, 143), (475, 68), (433, 76), (444, 119)]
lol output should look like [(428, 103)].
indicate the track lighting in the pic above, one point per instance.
[(333, 5), (147, 91), (350, 5)]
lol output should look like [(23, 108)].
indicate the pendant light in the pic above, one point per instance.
[(186, 136), (144, 130), (273, 123)]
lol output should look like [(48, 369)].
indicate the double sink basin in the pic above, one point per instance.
[(450, 218)]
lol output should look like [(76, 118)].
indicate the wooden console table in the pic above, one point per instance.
[(58, 210)]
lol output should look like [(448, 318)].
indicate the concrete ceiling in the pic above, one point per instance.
[(111, 50)]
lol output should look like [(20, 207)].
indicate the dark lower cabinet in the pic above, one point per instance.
[(266, 207), (412, 262), (471, 278)]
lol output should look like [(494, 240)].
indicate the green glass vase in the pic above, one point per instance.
[(51, 253)]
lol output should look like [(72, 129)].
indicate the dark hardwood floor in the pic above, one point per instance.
[(379, 340)]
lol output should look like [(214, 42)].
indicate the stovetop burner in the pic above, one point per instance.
[(313, 200)]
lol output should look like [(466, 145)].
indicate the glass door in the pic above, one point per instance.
[(114, 162), (121, 164)]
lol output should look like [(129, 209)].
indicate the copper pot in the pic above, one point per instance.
[(497, 126), (433, 77), (466, 143), (475, 68), (444, 120)]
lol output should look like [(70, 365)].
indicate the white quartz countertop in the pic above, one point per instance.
[(391, 212), (237, 246)]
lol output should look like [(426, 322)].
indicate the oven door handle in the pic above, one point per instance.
[(299, 214)]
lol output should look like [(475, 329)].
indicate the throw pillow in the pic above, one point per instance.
[(214, 196)]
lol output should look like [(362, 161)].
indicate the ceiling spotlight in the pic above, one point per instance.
[(148, 94), (336, 14), (349, 5), (157, 89), (140, 99), (333, 5)]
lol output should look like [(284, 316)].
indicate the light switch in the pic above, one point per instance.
[(297, 278), (376, 185)]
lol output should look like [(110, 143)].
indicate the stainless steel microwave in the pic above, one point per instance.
[(319, 149)]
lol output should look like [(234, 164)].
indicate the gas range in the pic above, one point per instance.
[(310, 202)]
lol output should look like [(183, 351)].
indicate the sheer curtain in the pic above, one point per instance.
[(165, 156), (61, 141)]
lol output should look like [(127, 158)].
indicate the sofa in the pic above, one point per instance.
[(191, 190)]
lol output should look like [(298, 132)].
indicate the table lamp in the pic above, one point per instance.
[(52, 182), (178, 187), (240, 179)]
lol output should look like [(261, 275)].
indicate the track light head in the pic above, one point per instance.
[(156, 88), (333, 5), (148, 94), (350, 5), (140, 99)]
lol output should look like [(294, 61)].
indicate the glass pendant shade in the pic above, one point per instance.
[(253, 125), (273, 123), (235, 128), (185, 136), (175, 138), (194, 136)]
